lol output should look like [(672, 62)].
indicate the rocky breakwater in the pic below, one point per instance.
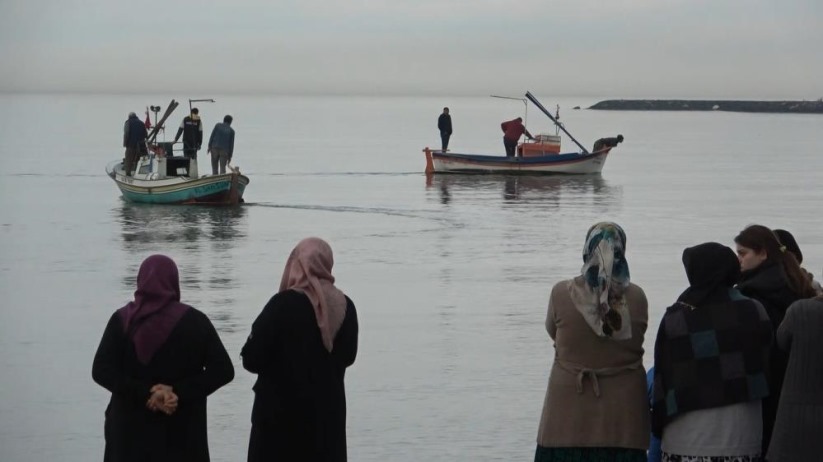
[(792, 107)]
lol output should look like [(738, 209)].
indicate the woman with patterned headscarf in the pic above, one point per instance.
[(596, 406), (300, 347), (160, 359)]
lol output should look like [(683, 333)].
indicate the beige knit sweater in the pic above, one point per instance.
[(597, 388)]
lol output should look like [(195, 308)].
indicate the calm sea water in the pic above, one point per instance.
[(450, 275)]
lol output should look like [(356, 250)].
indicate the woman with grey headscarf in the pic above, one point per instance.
[(596, 406)]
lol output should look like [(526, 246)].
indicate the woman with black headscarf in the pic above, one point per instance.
[(160, 359), (710, 361)]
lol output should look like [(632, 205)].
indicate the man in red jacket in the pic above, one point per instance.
[(512, 131)]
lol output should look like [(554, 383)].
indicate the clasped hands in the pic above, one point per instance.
[(162, 399)]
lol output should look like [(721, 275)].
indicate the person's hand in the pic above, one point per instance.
[(162, 399)]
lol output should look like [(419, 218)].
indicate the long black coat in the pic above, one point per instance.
[(769, 285), (299, 409), (192, 361)]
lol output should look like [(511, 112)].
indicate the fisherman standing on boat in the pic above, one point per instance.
[(134, 135), (192, 130), (512, 131), (221, 145), (604, 143), (444, 124)]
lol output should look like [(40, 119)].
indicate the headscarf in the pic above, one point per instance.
[(712, 269), (598, 294), (308, 270), (150, 318)]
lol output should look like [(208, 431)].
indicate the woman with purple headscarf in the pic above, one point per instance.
[(160, 359), (300, 347)]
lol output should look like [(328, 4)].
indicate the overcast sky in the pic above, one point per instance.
[(611, 48)]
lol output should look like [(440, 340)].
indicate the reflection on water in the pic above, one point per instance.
[(511, 219), (201, 240), (159, 224), (546, 189)]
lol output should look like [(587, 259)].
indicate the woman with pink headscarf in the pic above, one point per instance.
[(300, 346), (160, 359)]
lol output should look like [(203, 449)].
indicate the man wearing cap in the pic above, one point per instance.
[(192, 130)]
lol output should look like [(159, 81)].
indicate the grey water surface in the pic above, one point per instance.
[(450, 274)]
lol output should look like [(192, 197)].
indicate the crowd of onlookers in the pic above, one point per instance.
[(736, 376)]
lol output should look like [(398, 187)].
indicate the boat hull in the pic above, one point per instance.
[(213, 189), (573, 163)]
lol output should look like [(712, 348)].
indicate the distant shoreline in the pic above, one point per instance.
[(791, 107)]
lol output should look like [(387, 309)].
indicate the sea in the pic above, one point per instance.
[(450, 274)]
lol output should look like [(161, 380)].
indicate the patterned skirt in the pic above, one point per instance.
[(589, 455), (679, 458)]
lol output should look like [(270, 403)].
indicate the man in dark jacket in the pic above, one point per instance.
[(512, 131), (221, 145), (192, 130), (604, 143), (444, 124), (134, 135)]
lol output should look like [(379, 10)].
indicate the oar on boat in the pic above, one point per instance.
[(159, 125)]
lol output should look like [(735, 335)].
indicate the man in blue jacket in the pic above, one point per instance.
[(221, 145)]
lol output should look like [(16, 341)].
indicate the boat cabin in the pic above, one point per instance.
[(162, 164)]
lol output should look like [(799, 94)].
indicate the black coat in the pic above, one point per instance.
[(134, 132), (299, 409), (769, 285), (444, 123), (192, 361)]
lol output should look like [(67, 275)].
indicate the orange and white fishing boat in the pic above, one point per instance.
[(541, 156)]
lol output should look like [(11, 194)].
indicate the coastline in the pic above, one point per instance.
[(790, 107)]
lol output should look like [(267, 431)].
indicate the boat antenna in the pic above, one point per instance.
[(557, 117), (525, 103), (531, 98)]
